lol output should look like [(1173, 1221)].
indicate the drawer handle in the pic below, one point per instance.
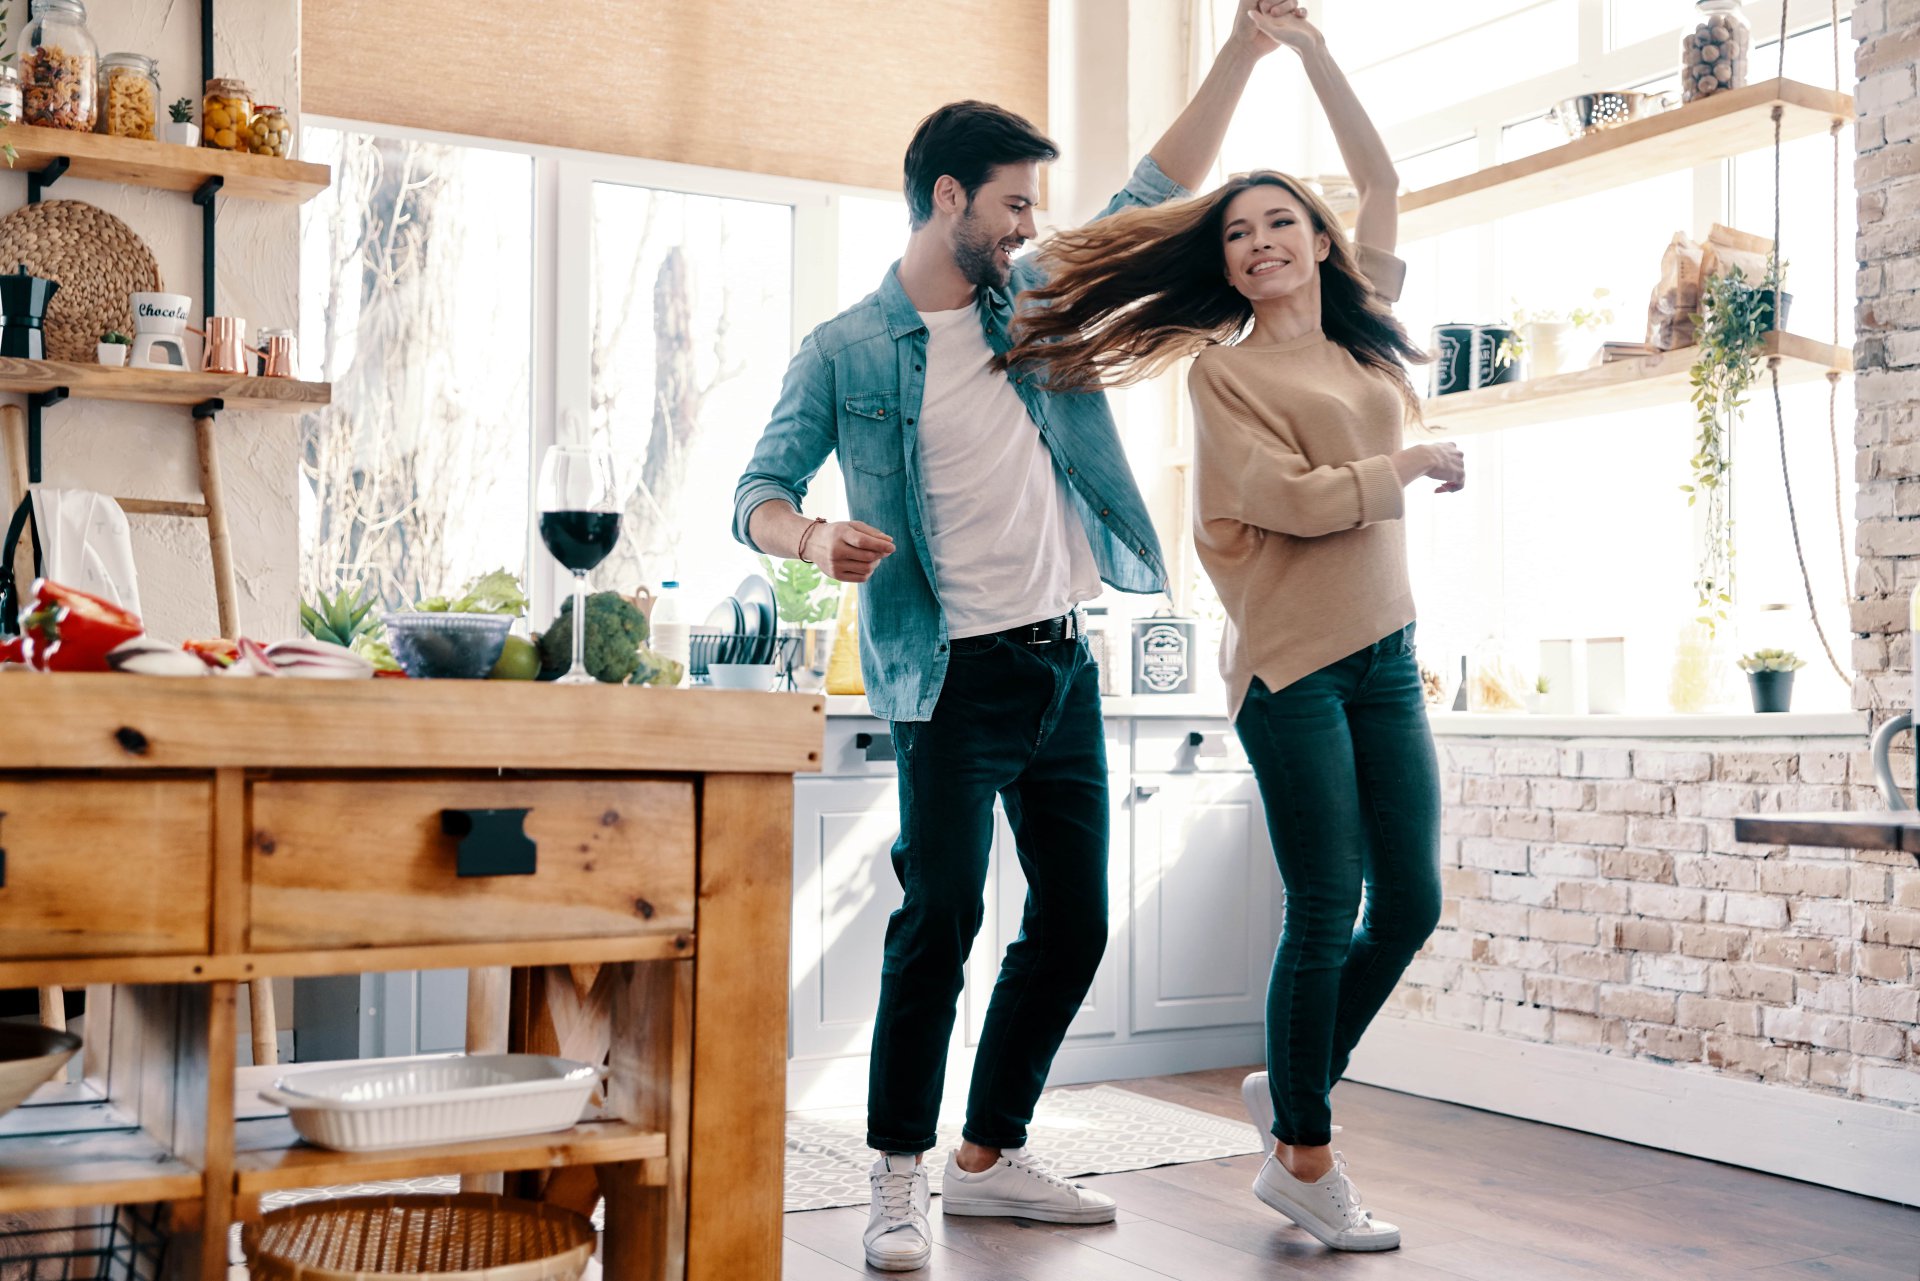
[(1145, 791), (878, 747), (1214, 744), (492, 842), (3, 858)]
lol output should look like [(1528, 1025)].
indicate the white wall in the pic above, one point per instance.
[(147, 452)]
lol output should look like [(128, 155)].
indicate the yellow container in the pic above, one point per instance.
[(843, 668)]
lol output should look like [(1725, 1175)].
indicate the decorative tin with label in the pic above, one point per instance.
[(1452, 359), (1163, 655), (1490, 368)]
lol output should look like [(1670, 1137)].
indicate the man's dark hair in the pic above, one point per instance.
[(968, 140)]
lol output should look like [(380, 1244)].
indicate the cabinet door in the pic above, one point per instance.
[(843, 891), (1204, 895)]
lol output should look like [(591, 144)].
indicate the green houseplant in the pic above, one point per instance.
[(1731, 332), (1542, 335), (180, 129), (807, 601), (1770, 676)]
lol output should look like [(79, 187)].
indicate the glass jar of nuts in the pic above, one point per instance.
[(58, 65), (226, 114), (271, 133), (129, 95), (1713, 55)]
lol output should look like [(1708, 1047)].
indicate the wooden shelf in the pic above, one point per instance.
[(270, 1157), (163, 386), (1644, 382), (1715, 128), (164, 166), (62, 1156)]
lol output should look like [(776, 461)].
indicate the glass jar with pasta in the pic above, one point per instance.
[(271, 133), (225, 114), (129, 96), (58, 64)]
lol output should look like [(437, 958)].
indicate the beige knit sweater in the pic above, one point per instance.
[(1297, 512)]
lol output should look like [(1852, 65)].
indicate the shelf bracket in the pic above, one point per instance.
[(203, 194), (38, 182), (36, 402), (208, 408), (209, 249)]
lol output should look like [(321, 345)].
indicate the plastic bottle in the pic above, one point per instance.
[(670, 632)]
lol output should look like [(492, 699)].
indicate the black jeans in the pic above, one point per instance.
[(1351, 785), (1023, 723)]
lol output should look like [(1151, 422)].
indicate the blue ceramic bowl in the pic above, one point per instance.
[(448, 646)]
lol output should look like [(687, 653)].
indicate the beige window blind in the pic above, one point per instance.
[(822, 89)]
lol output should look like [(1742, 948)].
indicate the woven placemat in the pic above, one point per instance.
[(97, 259)]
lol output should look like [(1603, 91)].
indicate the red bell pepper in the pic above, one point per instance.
[(66, 630)]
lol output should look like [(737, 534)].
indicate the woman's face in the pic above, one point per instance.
[(1270, 245)]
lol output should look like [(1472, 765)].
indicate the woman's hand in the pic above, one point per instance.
[(1284, 22), (1263, 24), (1441, 460)]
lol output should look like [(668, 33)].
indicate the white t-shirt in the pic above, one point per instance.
[(1007, 548)]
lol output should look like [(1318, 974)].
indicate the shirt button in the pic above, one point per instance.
[(1069, 471), (1103, 511), (916, 369), (909, 422)]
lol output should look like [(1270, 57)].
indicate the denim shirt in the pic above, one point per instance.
[(854, 390)]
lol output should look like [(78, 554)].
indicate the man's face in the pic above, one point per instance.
[(992, 226)]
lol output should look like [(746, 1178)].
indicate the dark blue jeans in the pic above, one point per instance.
[(1022, 723), (1351, 784)]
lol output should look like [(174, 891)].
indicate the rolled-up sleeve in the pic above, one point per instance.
[(1148, 186), (1270, 486), (796, 442), (1386, 273)]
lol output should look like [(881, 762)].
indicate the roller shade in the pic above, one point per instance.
[(822, 89)]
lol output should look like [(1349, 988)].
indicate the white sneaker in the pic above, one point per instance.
[(1259, 1103), (1329, 1207), (897, 1239), (1017, 1186)]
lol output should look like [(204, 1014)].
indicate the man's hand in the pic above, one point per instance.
[(1265, 25), (847, 550)]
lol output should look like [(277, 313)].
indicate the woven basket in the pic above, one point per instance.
[(97, 259), (470, 1235)]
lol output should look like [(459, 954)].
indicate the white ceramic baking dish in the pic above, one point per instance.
[(449, 1099)]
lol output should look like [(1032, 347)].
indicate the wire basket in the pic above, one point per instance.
[(105, 1243), (706, 648), (396, 1237)]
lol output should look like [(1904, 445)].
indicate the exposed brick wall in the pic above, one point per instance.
[(1596, 898)]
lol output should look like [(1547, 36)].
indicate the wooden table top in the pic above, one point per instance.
[(1846, 829)]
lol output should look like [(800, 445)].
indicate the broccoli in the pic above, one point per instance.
[(616, 629)]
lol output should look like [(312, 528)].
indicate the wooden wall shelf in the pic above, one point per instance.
[(1644, 382), (269, 1157), (163, 386), (1715, 128), (165, 166)]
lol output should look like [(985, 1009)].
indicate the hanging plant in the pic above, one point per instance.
[(1731, 331)]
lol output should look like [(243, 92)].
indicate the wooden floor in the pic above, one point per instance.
[(1476, 1196)]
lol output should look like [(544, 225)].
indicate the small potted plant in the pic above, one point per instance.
[(1540, 337), (807, 601), (1537, 700), (180, 129), (1770, 674), (112, 349)]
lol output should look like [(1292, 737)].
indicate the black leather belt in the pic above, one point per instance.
[(1047, 632)]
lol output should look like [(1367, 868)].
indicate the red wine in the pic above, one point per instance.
[(580, 540)]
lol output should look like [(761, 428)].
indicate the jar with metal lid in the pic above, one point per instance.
[(276, 353), (1714, 52), (58, 65), (226, 114), (11, 104), (129, 96), (271, 133)]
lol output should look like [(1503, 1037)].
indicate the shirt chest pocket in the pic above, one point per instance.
[(870, 434)]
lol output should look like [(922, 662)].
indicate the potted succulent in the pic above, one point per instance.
[(1536, 699), (180, 129), (1770, 674), (112, 349)]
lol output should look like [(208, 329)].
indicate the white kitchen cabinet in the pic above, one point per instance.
[(1204, 896)]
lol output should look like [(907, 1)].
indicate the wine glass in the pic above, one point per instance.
[(579, 523)]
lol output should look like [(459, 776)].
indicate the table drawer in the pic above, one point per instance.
[(97, 867), (339, 863), (1187, 747)]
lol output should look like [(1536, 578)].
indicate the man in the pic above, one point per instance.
[(1012, 503)]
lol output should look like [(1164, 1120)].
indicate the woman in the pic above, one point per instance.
[(1298, 498)]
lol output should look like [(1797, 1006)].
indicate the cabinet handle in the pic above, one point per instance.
[(3, 858), (878, 747), (1145, 791), (492, 842)]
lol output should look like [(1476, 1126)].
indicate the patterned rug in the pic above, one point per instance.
[(1098, 1129)]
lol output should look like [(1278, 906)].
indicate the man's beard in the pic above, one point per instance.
[(978, 255)]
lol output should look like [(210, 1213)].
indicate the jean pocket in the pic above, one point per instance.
[(971, 645), (870, 434)]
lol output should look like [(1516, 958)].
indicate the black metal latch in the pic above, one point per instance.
[(492, 842), (3, 859)]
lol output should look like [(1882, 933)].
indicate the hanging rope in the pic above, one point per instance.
[(1773, 362), (1833, 375)]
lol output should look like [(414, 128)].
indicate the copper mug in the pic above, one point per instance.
[(276, 358), (226, 346)]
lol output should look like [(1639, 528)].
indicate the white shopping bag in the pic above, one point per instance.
[(85, 543)]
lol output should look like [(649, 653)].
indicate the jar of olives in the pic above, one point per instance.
[(1713, 54), (58, 65), (129, 95), (271, 133), (225, 114)]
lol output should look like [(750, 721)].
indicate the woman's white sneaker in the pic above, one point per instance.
[(1329, 1207), (897, 1238), (1018, 1187)]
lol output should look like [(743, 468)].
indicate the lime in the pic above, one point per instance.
[(519, 661)]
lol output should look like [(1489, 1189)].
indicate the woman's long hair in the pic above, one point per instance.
[(1129, 295)]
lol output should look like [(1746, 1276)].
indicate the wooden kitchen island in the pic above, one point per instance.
[(168, 841)]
